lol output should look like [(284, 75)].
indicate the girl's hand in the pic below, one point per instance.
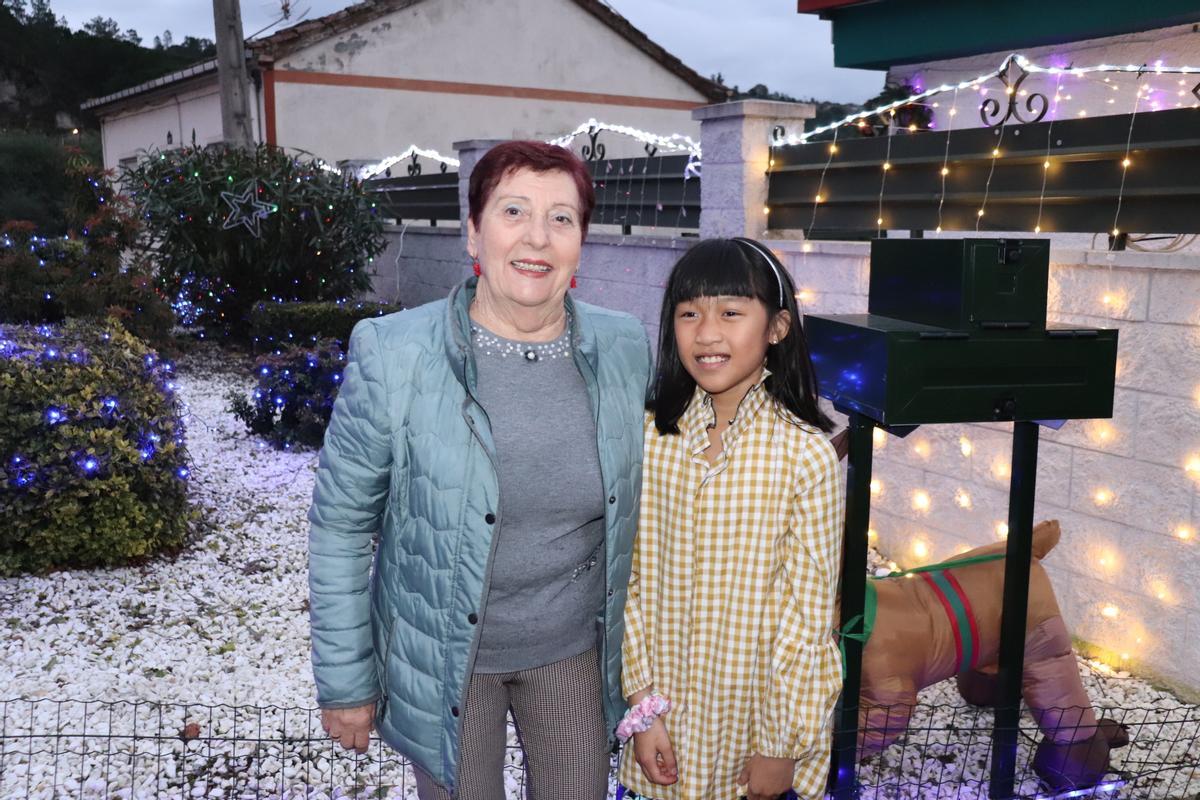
[(767, 778), (654, 754)]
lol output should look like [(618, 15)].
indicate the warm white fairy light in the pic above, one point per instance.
[(946, 161), (1002, 530), (1160, 590), (962, 498), (1185, 533), (1192, 466), (879, 438), (965, 446), (920, 500), (876, 487), (1000, 469), (920, 549), (1110, 611), (921, 447), (1102, 432), (1103, 497)]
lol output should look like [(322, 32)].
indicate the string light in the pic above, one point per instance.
[(920, 549), (965, 446), (1101, 432), (962, 498), (1110, 611), (1184, 533), (1000, 469), (1103, 497), (1002, 530), (976, 84), (1192, 466), (876, 487), (879, 438), (921, 448), (920, 500), (675, 142)]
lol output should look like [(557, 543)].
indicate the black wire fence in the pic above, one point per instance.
[(129, 750)]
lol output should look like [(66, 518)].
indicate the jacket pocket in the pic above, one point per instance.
[(382, 666)]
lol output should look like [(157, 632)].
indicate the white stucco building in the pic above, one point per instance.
[(366, 82)]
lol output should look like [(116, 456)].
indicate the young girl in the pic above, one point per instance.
[(730, 664)]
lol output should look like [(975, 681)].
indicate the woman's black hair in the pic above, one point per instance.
[(734, 268)]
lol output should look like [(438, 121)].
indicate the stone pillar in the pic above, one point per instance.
[(735, 138), (469, 152)]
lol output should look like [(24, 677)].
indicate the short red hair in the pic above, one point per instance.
[(508, 157)]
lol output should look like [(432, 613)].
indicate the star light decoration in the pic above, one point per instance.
[(246, 209)]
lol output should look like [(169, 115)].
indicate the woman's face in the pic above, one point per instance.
[(529, 238)]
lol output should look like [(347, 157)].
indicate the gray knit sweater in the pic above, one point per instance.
[(547, 578)]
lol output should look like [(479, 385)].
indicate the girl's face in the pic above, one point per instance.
[(723, 341)]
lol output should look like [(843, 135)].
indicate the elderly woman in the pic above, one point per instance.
[(493, 441)]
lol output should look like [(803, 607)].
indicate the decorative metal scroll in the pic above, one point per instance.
[(414, 167), (989, 109), (595, 150)]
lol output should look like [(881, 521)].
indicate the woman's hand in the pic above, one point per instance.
[(350, 726), (654, 754), (766, 778)]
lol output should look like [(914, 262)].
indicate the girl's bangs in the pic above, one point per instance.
[(717, 268)]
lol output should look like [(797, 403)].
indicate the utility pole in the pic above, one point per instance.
[(231, 72)]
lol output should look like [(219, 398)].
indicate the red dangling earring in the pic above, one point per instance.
[(478, 271), (574, 283)]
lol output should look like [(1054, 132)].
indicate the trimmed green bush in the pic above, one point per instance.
[(286, 324), (93, 464), (82, 275), (294, 398)]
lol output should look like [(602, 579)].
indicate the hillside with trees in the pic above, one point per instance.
[(48, 70)]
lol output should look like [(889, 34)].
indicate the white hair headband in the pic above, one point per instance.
[(771, 262)]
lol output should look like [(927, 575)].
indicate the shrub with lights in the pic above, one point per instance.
[(93, 465), (275, 325), (293, 400), (82, 274), (231, 228)]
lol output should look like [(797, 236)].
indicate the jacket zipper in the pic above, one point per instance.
[(487, 577)]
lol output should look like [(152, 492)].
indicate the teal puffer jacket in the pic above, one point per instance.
[(409, 456)]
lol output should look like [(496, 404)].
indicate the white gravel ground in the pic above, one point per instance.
[(190, 677)]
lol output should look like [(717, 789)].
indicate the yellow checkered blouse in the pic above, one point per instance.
[(731, 604)]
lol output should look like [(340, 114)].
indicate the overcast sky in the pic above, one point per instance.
[(747, 41)]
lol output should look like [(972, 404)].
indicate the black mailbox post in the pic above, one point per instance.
[(955, 332)]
